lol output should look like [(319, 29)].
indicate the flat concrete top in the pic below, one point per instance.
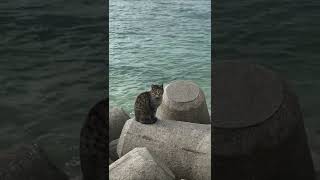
[(244, 94), (182, 91)]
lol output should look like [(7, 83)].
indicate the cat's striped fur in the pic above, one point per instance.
[(146, 105)]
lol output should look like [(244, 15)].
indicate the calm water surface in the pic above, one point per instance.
[(157, 42), (52, 71)]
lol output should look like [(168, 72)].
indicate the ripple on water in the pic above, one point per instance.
[(157, 42)]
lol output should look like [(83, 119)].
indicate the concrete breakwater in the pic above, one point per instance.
[(139, 164), (28, 161), (179, 157), (181, 145), (258, 125), (259, 134), (257, 128)]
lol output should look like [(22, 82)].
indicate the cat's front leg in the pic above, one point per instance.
[(153, 118)]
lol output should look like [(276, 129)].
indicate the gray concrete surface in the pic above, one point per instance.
[(183, 101), (77, 178), (244, 94), (113, 155), (185, 147), (314, 142), (139, 164), (117, 118), (258, 126), (28, 162), (201, 168), (316, 163)]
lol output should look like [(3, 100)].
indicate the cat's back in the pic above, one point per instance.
[(142, 99)]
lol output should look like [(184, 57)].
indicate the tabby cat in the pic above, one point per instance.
[(147, 103)]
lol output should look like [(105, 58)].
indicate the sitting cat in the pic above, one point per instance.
[(147, 103)]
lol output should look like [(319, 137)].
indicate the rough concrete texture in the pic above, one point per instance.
[(244, 94), (184, 101), (117, 118), (201, 168), (139, 164), (28, 162), (113, 150), (76, 178), (316, 163), (110, 161), (258, 126), (185, 147), (314, 142)]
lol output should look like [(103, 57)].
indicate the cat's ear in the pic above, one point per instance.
[(162, 86), (152, 86)]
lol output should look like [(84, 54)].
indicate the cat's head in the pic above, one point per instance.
[(157, 92)]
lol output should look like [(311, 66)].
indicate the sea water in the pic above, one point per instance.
[(155, 42), (53, 68)]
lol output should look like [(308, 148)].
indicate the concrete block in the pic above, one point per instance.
[(258, 126), (183, 101), (76, 178), (28, 162), (139, 164), (201, 166), (113, 150), (110, 161), (117, 118), (313, 135), (185, 147), (94, 143)]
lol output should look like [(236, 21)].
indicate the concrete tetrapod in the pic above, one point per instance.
[(110, 161), (139, 164), (184, 101), (314, 140), (185, 147), (117, 118), (258, 126), (113, 150), (26, 161)]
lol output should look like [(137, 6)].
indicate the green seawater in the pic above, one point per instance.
[(155, 42), (52, 71)]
